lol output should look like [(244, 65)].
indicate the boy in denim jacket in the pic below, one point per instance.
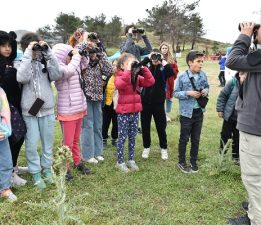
[(191, 114)]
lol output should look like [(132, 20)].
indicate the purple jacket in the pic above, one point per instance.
[(71, 99)]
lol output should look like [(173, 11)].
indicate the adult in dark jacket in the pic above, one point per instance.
[(133, 34), (13, 92), (226, 102), (153, 99), (248, 107)]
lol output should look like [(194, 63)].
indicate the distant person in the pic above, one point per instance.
[(191, 108), (128, 83), (226, 102), (71, 104), (6, 165), (221, 75), (38, 68), (248, 108), (228, 72), (133, 35), (165, 51)]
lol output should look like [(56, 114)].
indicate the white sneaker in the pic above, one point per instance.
[(145, 153), (164, 154), (99, 158), (132, 165), (92, 160), (122, 167), (17, 181)]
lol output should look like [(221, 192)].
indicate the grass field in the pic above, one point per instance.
[(158, 194)]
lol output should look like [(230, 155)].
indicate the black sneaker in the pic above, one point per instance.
[(184, 168), (243, 220), (194, 168), (68, 176), (81, 167)]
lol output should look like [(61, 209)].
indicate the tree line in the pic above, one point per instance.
[(173, 21)]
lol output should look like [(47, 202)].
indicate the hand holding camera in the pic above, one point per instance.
[(248, 28)]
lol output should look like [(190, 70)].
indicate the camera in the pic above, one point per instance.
[(156, 56), (88, 51), (138, 30), (256, 27), (38, 47), (136, 66)]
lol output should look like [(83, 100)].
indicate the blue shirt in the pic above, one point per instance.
[(183, 85)]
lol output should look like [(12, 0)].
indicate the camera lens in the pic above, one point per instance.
[(153, 56), (37, 47), (140, 30)]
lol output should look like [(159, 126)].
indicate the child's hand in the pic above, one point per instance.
[(164, 62), (204, 92), (221, 114), (31, 45), (194, 94), (2, 136)]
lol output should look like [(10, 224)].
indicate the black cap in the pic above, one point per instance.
[(193, 54)]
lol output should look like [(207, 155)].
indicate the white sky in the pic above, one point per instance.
[(220, 17)]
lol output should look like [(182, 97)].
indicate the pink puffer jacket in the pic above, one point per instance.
[(71, 99)]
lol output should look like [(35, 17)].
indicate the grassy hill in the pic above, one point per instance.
[(201, 44)]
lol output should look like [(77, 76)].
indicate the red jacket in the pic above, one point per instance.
[(129, 101), (170, 81)]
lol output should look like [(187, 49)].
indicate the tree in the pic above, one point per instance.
[(175, 21), (215, 47), (47, 34), (108, 32), (66, 24)]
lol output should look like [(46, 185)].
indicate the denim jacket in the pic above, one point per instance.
[(183, 85)]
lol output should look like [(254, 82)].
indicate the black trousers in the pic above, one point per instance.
[(228, 131), (190, 128), (15, 149), (109, 115), (221, 78), (159, 116)]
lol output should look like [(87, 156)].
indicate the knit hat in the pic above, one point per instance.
[(61, 51)]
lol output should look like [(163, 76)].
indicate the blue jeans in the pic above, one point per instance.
[(43, 128), (168, 105), (6, 165), (91, 135)]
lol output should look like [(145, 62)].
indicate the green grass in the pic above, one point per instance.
[(158, 194)]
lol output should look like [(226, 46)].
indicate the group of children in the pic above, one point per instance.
[(90, 90)]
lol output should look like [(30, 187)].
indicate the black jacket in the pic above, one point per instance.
[(8, 78), (157, 92)]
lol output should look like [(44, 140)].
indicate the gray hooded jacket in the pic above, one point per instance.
[(36, 83), (248, 108)]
